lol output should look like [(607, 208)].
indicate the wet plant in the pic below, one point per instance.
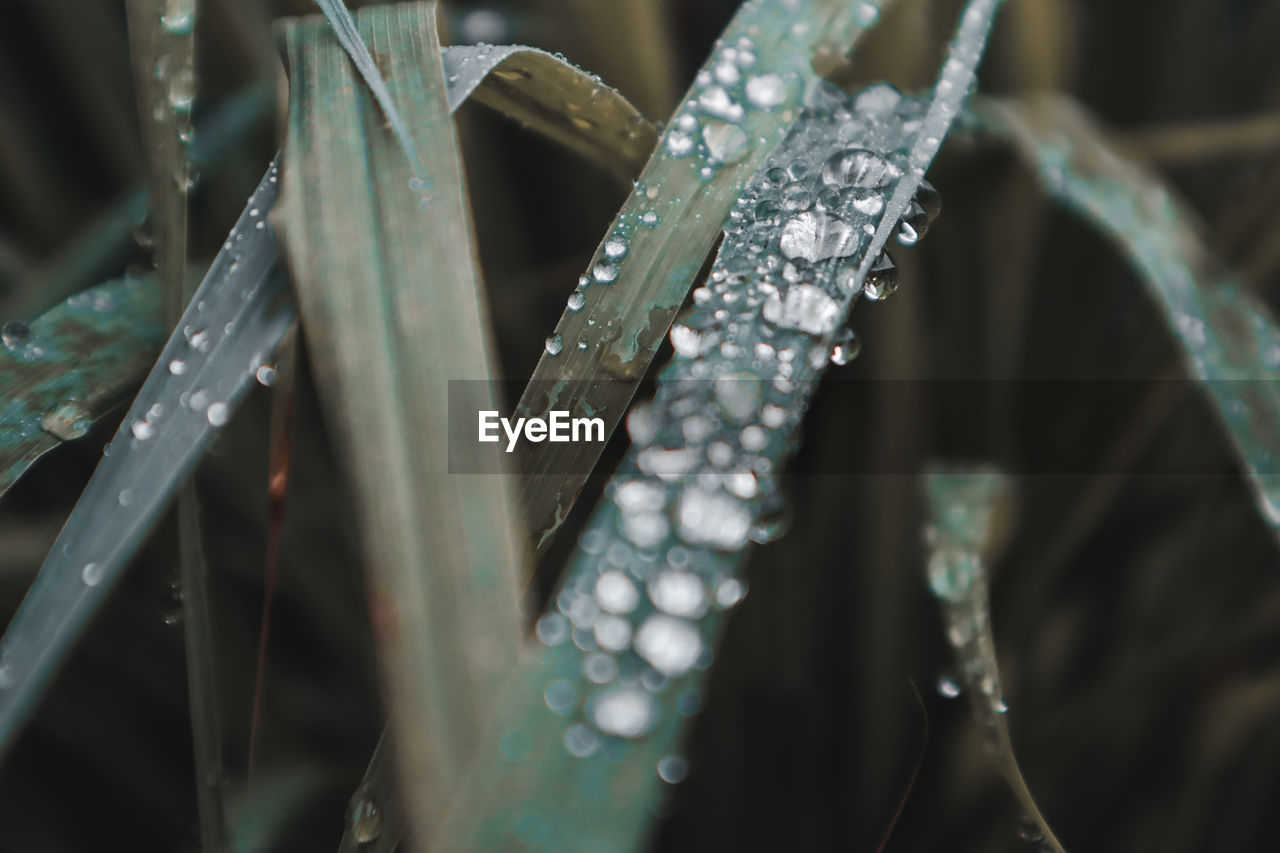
[(555, 647)]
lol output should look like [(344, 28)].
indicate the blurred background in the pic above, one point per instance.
[(1136, 600)]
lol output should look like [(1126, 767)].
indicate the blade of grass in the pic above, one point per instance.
[(589, 724), (73, 365), (962, 503), (555, 99), (441, 551), (162, 37), (1229, 338), (669, 225), (232, 325)]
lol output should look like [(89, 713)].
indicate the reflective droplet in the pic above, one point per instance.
[(218, 414), (366, 820), (600, 668), (177, 367), (576, 300), (860, 168), (670, 645), (616, 593), (730, 591), (554, 344), (766, 91), (726, 143), (817, 236), (948, 688), (560, 697), (806, 307), (713, 518), (15, 335), (142, 429), (69, 421), (624, 711), (605, 273), (615, 247), (672, 769), (266, 375), (92, 573), (552, 629), (678, 593), (581, 741), (847, 346), (882, 279)]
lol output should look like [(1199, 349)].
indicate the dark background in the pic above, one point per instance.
[(1137, 612)]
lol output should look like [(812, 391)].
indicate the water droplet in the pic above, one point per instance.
[(649, 218), (879, 100), (612, 633), (366, 820), (713, 518), (796, 196), (952, 572), (672, 769), (766, 91), (670, 645), (581, 741), (624, 711), (177, 367), (218, 414), (15, 335), (882, 279), (730, 592), (866, 14), (266, 375), (716, 101), (125, 497), (616, 593), (818, 236), (679, 144), (858, 167), (605, 273), (576, 300), (560, 697), (1029, 830), (600, 668), (615, 247), (847, 346), (92, 573), (806, 307), (725, 142), (678, 593), (948, 688), (694, 333), (142, 429), (554, 344)]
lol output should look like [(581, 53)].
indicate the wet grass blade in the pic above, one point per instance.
[(555, 99), (72, 366), (236, 318), (442, 552), (162, 36), (1230, 340), (588, 728), (746, 95), (962, 503)]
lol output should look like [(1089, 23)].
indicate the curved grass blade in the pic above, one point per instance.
[(962, 503), (376, 822), (555, 99), (236, 318), (442, 551), (588, 727), (339, 18), (1229, 338), (743, 99), (73, 365)]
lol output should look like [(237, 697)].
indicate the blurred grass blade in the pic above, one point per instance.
[(962, 503), (73, 365), (236, 318), (442, 551), (339, 18), (625, 302), (105, 243), (588, 728), (555, 99), (1229, 338), (162, 36)]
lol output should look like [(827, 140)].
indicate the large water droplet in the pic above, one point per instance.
[(858, 167), (725, 142), (672, 769), (766, 91), (554, 344), (847, 346), (366, 819), (806, 307), (882, 279), (616, 593), (716, 101), (69, 421), (624, 711), (678, 593), (670, 645), (817, 236), (713, 518)]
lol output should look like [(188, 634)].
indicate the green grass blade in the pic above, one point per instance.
[(589, 726), (344, 27), (555, 99), (234, 321), (72, 366), (962, 504), (1229, 338), (668, 226), (442, 552)]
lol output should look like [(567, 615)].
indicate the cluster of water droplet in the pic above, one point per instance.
[(710, 126), (660, 559)]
